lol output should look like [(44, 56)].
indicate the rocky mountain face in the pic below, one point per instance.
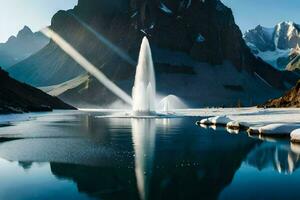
[(16, 97), (290, 99), (20, 47), (278, 46), (294, 60), (196, 45)]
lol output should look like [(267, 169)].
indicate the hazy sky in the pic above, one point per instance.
[(250, 13), (36, 14)]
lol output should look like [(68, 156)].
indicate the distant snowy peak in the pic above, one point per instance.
[(261, 38), (285, 35), (277, 46)]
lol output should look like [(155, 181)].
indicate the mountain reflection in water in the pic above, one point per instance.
[(172, 167), (282, 156), (144, 158)]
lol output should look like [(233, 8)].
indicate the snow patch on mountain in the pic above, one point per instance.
[(164, 8), (272, 57), (134, 14), (200, 38)]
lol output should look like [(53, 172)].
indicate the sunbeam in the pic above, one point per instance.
[(106, 42), (88, 66)]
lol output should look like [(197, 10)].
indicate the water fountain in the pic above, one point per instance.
[(171, 102), (144, 89)]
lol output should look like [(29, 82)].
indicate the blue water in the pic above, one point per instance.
[(78, 156)]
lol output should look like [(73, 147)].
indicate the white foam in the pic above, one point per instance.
[(144, 89)]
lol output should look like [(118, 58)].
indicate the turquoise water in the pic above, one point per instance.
[(78, 156)]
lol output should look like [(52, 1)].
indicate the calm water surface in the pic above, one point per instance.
[(79, 156)]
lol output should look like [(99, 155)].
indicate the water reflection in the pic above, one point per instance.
[(138, 158), (282, 156), (99, 182), (186, 165), (143, 136), (25, 165)]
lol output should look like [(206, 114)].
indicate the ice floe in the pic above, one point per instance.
[(278, 129), (234, 125), (295, 135), (264, 122), (218, 120)]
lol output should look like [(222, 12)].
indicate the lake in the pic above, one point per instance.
[(77, 155)]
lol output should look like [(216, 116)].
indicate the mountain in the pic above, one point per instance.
[(278, 46), (290, 99), (20, 47), (16, 97), (294, 60), (198, 51)]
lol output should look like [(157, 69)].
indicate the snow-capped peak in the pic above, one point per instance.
[(275, 45), (286, 35)]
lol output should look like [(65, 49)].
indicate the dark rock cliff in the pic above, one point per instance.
[(16, 97)]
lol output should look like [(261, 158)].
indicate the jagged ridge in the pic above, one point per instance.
[(279, 46), (20, 47)]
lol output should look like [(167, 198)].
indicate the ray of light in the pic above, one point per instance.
[(88, 66), (105, 41)]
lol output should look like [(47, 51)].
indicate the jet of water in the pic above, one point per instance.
[(144, 89), (88, 66)]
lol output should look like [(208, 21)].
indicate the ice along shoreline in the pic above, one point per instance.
[(269, 122)]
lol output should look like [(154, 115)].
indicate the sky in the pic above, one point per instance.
[(37, 14), (250, 13)]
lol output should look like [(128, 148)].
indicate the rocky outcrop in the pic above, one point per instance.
[(16, 97), (290, 99), (294, 60), (21, 47), (278, 46), (193, 42)]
